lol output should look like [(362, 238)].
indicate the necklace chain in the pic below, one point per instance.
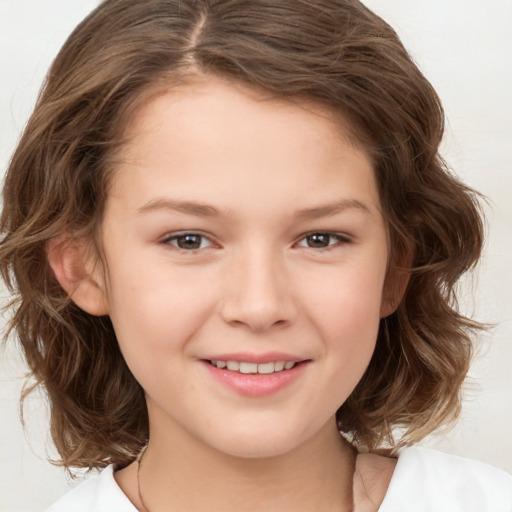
[(139, 460)]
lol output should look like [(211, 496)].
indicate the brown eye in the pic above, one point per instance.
[(321, 240), (318, 240), (188, 241)]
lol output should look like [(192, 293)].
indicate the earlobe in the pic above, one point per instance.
[(395, 286), (77, 273)]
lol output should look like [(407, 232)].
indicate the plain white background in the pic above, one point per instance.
[(463, 46)]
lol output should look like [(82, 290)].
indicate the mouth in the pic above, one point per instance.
[(256, 376), (254, 368)]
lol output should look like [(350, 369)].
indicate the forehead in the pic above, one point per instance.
[(190, 138), (213, 93)]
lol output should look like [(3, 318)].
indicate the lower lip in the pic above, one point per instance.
[(256, 384)]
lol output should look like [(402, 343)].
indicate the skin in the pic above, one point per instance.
[(271, 174)]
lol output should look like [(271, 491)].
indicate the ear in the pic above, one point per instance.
[(77, 272), (395, 285)]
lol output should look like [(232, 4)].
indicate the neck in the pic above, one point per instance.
[(186, 475)]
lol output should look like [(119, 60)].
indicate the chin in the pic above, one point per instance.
[(258, 443), (260, 450)]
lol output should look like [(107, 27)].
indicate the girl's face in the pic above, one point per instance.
[(243, 236)]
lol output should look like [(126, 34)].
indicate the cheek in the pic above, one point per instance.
[(347, 314), (154, 311), (351, 295)]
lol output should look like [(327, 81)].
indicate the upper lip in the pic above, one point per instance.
[(246, 357)]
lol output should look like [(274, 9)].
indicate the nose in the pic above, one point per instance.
[(258, 293)]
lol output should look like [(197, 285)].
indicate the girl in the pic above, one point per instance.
[(231, 238)]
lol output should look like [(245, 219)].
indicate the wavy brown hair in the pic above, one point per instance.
[(336, 52)]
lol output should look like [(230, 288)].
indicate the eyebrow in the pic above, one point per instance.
[(332, 209), (206, 210), (190, 207)]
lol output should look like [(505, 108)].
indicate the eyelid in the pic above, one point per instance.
[(166, 239), (343, 238)]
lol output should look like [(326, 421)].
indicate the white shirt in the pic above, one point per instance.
[(424, 481)]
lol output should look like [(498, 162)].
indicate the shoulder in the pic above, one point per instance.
[(430, 481), (96, 494)]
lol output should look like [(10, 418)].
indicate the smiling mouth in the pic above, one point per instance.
[(254, 368)]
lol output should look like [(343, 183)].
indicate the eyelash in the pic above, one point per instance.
[(168, 240), (340, 239), (174, 237)]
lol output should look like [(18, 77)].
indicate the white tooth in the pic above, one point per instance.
[(279, 366), (248, 368), (288, 365), (266, 368), (220, 364), (233, 366)]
